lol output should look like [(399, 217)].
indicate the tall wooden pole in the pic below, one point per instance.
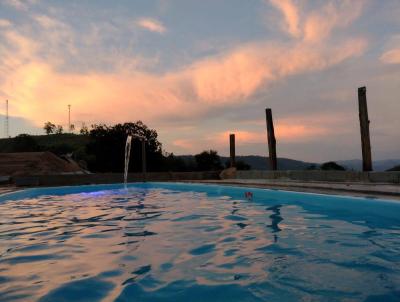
[(271, 140), (364, 127), (144, 158), (232, 149)]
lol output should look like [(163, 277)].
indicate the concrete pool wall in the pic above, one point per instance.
[(303, 176), (109, 178), (318, 175), (331, 182)]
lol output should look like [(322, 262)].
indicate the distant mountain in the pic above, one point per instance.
[(378, 165), (260, 162)]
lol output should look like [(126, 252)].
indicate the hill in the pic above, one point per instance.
[(29, 163), (378, 165), (258, 162), (56, 143)]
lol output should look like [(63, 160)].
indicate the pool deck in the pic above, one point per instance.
[(375, 190), (369, 190)]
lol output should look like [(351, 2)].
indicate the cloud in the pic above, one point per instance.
[(4, 23), (152, 25), (39, 89), (391, 53), (391, 56), (291, 15), (318, 24), (235, 76), (20, 4), (47, 22), (285, 131)]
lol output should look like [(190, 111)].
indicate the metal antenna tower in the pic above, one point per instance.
[(6, 126)]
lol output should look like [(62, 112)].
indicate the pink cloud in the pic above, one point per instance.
[(4, 23), (39, 91), (317, 25), (291, 14), (152, 25), (297, 129), (320, 23), (391, 56)]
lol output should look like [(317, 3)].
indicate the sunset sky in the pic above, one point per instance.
[(196, 70)]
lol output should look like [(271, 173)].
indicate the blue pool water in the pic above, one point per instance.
[(185, 242)]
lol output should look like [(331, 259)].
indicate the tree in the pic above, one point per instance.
[(332, 166), (395, 168), (59, 129), (107, 148), (240, 165), (208, 161), (84, 129), (49, 128), (174, 163), (24, 143)]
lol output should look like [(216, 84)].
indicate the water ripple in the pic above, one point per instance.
[(168, 245)]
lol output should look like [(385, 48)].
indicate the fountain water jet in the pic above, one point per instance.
[(127, 156)]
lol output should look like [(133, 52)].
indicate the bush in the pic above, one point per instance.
[(240, 165), (395, 168), (332, 166), (24, 143), (208, 161)]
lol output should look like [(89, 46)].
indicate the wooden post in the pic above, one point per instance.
[(144, 159), (232, 150), (271, 140), (364, 127)]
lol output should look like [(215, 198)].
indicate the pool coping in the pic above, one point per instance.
[(351, 190)]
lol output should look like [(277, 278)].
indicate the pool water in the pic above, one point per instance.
[(185, 242)]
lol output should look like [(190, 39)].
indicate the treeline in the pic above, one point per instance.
[(102, 148)]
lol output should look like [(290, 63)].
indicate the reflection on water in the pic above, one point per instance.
[(276, 218), (162, 245)]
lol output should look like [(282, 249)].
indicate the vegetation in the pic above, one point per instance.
[(240, 165), (101, 149), (395, 168), (49, 128), (106, 148), (208, 161), (25, 143), (84, 130), (332, 166)]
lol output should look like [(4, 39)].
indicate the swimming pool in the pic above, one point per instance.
[(193, 242)]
